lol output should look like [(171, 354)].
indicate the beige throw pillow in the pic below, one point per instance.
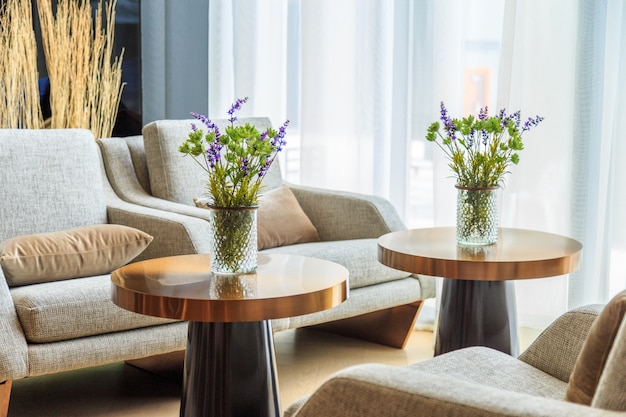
[(590, 363), (281, 220), (79, 252)]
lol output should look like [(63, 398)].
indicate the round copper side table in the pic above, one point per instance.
[(478, 297), (230, 367)]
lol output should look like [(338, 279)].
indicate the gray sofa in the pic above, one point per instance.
[(53, 181), (383, 305), (581, 357)]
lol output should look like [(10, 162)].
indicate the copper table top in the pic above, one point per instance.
[(518, 254), (183, 287)]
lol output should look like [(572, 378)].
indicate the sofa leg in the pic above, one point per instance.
[(168, 365), (5, 395), (390, 327)]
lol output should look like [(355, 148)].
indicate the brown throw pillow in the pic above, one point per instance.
[(281, 220), (79, 252), (590, 363)]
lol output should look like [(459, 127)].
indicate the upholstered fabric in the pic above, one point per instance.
[(470, 382), (492, 368), (595, 352), (375, 297), (66, 310), (138, 159), (611, 391), (359, 256), (46, 358), (66, 254), (374, 390), (556, 349), (48, 188), (13, 347), (121, 171), (281, 221), (341, 215), (176, 177), (53, 180)]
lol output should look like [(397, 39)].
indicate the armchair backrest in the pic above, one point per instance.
[(175, 177), (50, 179)]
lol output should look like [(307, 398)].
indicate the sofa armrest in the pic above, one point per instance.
[(556, 349), (340, 215), (174, 234), (13, 347), (385, 391), (119, 169)]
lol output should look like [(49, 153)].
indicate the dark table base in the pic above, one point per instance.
[(230, 370), (477, 313)]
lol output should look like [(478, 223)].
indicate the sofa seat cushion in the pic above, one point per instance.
[(63, 310), (358, 255), (489, 367)]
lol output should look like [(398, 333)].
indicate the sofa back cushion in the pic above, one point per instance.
[(591, 364), (176, 177), (138, 158), (51, 180), (611, 391)]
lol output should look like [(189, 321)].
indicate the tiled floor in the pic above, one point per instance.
[(305, 359)]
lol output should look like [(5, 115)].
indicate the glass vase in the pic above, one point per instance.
[(233, 239), (477, 215)]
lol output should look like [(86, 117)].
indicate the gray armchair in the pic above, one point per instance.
[(52, 181), (148, 170), (480, 381)]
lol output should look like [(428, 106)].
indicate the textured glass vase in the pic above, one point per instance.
[(233, 240), (477, 215)]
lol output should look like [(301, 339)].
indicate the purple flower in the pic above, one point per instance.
[(213, 153), (263, 170), (194, 127), (516, 117), (482, 113), (279, 139), (209, 124), (236, 106), (448, 123), (531, 123), (471, 137), (244, 165)]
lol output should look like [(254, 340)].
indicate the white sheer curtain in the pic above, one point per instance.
[(362, 79), (537, 74), (570, 180)]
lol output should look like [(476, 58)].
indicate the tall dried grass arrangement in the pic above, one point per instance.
[(19, 91), (85, 81)]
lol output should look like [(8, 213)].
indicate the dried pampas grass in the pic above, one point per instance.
[(19, 90), (85, 81)]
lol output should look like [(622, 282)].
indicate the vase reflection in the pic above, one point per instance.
[(233, 286), (476, 252)]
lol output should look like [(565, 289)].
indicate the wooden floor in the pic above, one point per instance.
[(305, 359)]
